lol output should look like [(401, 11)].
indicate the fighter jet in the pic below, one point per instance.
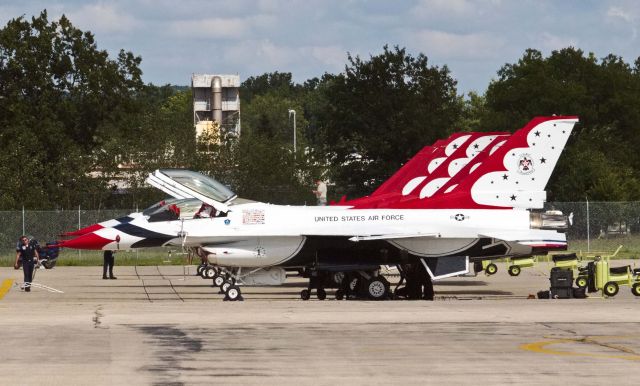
[(486, 214)]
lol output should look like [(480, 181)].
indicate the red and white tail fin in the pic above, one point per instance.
[(415, 176), (416, 169), (456, 162), (514, 175), (411, 168)]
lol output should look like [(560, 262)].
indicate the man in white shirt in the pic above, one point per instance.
[(321, 192)]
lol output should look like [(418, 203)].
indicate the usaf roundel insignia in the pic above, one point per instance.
[(227, 222), (525, 164), (459, 217)]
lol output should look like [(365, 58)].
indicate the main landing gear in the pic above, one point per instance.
[(358, 284)]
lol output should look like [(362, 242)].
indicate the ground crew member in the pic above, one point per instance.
[(27, 253), (109, 261), (321, 192)]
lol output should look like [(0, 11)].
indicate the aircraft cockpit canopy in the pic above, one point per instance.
[(200, 184)]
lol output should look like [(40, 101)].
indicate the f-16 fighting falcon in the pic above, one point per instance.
[(475, 204)]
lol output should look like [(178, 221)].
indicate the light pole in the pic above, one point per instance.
[(292, 111)]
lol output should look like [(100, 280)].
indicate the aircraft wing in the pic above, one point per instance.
[(392, 236), (531, 237)]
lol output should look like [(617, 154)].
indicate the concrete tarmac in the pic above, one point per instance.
[(162, 325)]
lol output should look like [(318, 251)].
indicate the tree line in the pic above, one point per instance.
[(72, 119)]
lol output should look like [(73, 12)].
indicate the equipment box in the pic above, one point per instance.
[(561, 292), (561, 278)]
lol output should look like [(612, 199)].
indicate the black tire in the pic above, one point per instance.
[(514, 270), (225, 286), (305, 294), (200, 269), (582, 281), (233, 293), (377, 289), (321, 294), (635, 289), (218, 280), (209, 272), (491, 269), (339, 294), (611, 289)]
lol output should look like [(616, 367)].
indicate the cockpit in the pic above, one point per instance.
[(194, 195)]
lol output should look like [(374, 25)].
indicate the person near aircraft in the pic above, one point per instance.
[(205, 211), (27, 253), (109, 261), (321, 192)]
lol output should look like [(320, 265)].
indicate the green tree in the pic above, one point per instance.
[(602, 154), (62, 99), (380, 112)]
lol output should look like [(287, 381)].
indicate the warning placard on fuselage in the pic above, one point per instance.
[(252, 216)]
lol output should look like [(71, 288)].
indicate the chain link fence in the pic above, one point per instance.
[(47, 225), (597, 226)]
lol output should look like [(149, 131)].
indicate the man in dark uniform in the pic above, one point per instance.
[(27, 253), (109, 260)]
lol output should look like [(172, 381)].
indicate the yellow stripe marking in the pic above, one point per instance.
[(5, 287), (541, 347)]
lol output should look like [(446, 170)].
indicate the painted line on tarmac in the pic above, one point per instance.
[(5, 287), (542, 347)]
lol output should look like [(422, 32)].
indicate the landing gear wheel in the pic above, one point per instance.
[(233, 293), (376, 289), (337, 278), (582, 282), (514, 270), (225, 286), (305, 294), (610, 289), (321, 294), (491, 269), (218, 281), (209, 273), (339, 294), (635, 289)]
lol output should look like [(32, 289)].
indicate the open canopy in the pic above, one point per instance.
[(184, 184)]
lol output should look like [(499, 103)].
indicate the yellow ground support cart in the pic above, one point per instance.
[(515, 265), (609, 279)]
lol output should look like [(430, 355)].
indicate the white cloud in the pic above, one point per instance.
[(260, 52), (617, 13), (549, 42), (211, 28), (439, 7), (334, 57), (102, 17), (462, 46), (626, 16)]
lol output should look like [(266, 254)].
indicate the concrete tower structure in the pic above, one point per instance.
[(216, 103)]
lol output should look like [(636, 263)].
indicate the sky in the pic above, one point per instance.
[(311, 37)]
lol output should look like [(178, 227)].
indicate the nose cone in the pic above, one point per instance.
[(102, 239), (86, 241)]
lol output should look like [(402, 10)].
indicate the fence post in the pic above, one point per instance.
[(23, 230), (588, 232), (79, 225)]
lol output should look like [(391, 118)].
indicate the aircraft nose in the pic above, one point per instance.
[(89, 240)]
